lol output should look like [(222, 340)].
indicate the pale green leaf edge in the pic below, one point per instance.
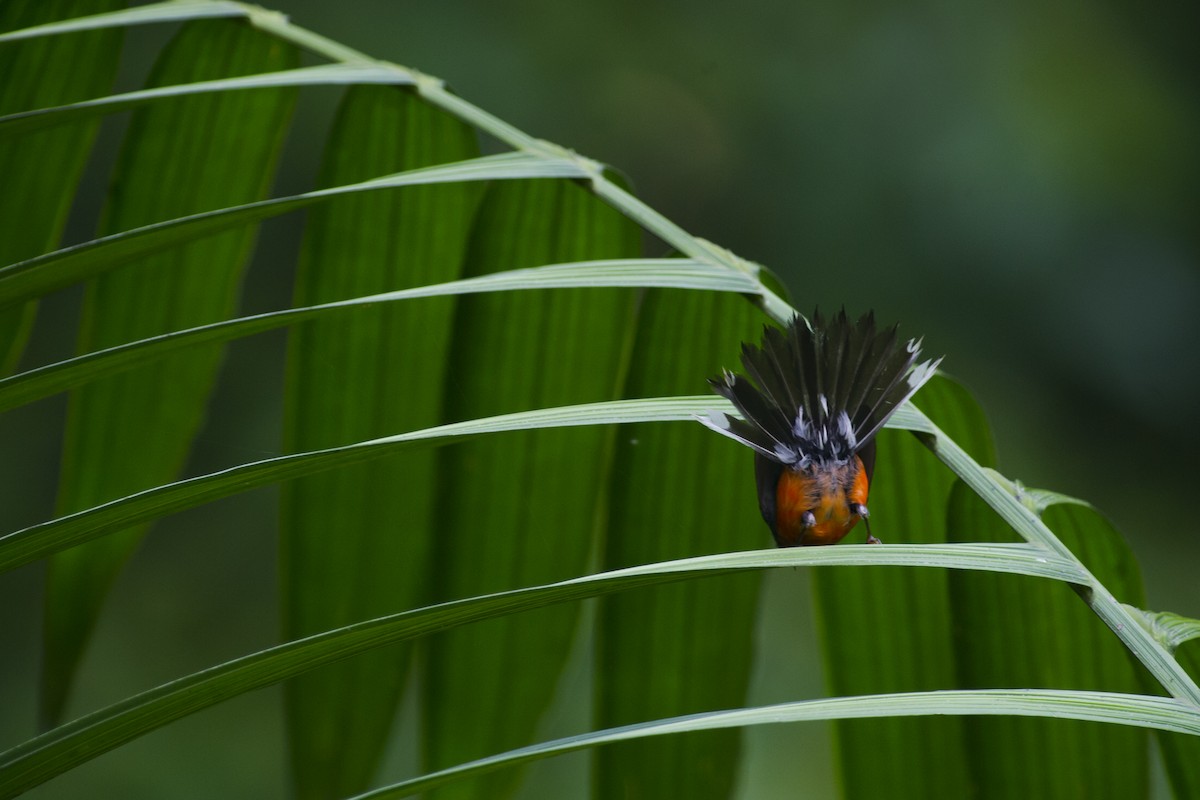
[(338, 74), (34, 277), (1108, 707), (677, 273), (1025, 521), (170, 11), (69, 745), (1169, 628)]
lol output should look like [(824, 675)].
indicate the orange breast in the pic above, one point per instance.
[(825, 491)]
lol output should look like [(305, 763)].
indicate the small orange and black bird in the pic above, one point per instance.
[(819, 395)]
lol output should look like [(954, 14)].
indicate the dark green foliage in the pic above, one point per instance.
[(41, 170), (1181, 753), (1020, 632), (678, 490), (355, 541), (223, 148), (520, 509)]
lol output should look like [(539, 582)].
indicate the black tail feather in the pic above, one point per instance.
[(874, 363), (853, 351), (757, 410), (821, 391), (770, 381)]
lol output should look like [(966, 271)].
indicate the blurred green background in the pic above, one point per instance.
[(1016, 182)]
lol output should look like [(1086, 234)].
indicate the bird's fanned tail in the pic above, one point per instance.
[(819, 392)]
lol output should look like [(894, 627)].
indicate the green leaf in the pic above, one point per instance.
[(1172, 630), (167, 11), (677, 491), (133, 431), (521, 510), (1027, 633), (359, 376), (40, 759), (1125, 621), (43, 274), (1181, 753), (1120, 709), (14, 125), (41, 171), (38, 541), (661, 272), (888, 631)]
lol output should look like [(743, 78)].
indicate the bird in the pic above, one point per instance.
[(814, 396)]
